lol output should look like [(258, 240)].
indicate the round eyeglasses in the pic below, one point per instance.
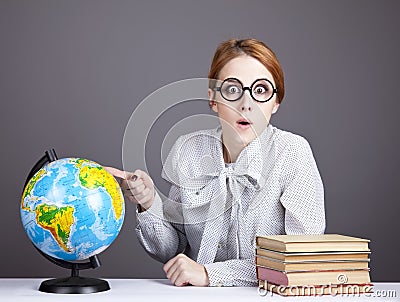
[(231, 89)]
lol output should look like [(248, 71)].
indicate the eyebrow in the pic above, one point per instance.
[(259, 78)]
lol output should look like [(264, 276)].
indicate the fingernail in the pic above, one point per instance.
[(134, 177)]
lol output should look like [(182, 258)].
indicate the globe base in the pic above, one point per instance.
[(74, 285)]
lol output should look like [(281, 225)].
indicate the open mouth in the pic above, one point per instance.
[(243, 122)]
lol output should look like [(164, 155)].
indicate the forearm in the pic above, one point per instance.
[(237, 272)]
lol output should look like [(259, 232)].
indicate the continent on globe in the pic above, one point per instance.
[(72, 209), (94, 177), (57, 220)]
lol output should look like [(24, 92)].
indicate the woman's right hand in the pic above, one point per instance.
[(138, 187)]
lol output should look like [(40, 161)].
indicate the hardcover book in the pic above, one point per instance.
[(314, 256), (313, 243), (302, 278), (311, 265)]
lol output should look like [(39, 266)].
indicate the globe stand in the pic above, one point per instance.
[(74, 284)]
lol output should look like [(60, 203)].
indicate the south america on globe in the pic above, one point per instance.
[(72, 209)]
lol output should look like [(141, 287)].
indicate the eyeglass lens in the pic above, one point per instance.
[(261, 90)]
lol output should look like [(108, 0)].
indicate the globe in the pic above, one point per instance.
[(72, 209)]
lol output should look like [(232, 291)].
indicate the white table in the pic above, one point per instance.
[(15, 290)]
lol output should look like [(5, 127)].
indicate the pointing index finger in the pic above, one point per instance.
[(119, 173)]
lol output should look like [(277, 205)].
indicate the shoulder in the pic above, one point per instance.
[(192, 155), (204, 135), (288, 143), (198, 142)]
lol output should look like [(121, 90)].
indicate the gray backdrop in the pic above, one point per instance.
[(72, 72)]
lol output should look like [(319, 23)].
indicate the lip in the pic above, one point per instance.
[(243, 123)]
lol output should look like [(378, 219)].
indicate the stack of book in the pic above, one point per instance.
[(313, 264)]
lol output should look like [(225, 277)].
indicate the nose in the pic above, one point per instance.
[(246, 102)]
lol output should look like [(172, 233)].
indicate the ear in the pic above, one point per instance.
[(276, 107), (213, 103)]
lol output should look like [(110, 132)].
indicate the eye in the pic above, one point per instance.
[(260, 89), (232, 89)]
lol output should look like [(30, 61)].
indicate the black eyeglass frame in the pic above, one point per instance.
[(250, 89)]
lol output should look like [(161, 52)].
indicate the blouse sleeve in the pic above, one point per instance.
[(161, 238), (235, 272), (303, 192)]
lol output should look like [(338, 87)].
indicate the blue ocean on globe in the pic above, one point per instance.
[(72, 209)]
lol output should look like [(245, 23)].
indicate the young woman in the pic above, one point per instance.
[(228, 185)]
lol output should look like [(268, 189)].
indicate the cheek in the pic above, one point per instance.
[(267, 109), (227, 109)]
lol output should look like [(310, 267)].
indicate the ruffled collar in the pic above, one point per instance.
[(250, 159), (181, 170)]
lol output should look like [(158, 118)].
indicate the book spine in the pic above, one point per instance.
[(270, 244), (300, 278), (310, 265), (271, 275)]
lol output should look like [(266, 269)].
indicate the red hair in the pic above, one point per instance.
[(233, 48)]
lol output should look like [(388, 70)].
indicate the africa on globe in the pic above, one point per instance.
[(72, 209)]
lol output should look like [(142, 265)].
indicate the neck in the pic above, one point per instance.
[(231, 150)]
